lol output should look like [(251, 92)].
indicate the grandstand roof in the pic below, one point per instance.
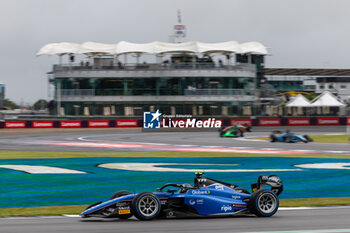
[(155, 47), (310, 72)]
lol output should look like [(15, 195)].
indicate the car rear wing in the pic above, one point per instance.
[(273, 181)]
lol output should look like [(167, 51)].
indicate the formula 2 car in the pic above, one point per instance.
[(208, 197), (278, 136), (234, 131)]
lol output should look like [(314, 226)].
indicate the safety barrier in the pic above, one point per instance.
[(273, 121)]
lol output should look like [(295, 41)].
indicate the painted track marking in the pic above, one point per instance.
[(41, 169), (156, 167), (193, 148), (306, 231)]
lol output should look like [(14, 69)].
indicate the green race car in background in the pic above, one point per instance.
[(234, 131)]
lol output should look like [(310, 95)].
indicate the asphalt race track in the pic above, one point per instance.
[(119, 140), (326, 219)]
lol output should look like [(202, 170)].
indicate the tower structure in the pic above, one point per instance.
[(179, 29)]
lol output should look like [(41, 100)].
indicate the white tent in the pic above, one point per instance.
[(186, 47), (59, 49), (223, 47), (253, 48), (97, 48), (326, 99), (299, 101), (124, 47), (155, 47)]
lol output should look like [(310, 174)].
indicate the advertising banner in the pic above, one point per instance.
[(70, 124), (242, 121), (298, 121), (98, 123), (126, 123), (42, 124), (269, 121), (192, 123), (328, 121), (15, 124)]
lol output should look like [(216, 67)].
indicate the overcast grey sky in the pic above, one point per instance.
[(299, 33)]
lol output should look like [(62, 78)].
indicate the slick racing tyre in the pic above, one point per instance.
[(263, 203), (241, 134), (308, 138), (146, 206), (273, 138), (120, 194)]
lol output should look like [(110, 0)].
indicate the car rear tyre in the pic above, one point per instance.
[(263, 203), (241, 134), (273, 138), (120, 194), (308, 138), (146, 206)]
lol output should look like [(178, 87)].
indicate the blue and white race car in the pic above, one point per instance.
[(208, 197), (278, 136)]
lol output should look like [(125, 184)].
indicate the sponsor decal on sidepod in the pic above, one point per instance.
[(200, 192), (226, 208), (196, 201)]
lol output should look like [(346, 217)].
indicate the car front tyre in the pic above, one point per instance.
[(146, 206), (263, 203)]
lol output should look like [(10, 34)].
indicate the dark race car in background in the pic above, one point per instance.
[(208, 197), (234, 131), (278, 136)]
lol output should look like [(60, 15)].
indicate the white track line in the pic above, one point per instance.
[(281, 208)]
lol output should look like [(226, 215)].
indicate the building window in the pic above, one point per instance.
[(321, 87), (343, 86), (330, 86), (310, 87)]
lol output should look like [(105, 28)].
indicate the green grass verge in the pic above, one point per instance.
[(77, 209), (166, 154), (343, 138), (42, 211), (327, 201)]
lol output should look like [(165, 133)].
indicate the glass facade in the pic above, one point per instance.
[(154, 86), (287, 85), (2, 95), (197, 87), (137, 108)]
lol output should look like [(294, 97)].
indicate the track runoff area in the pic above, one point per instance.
[(60, 173)]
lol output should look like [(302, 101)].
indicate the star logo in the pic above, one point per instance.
[(151, 120), (156, 115)]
